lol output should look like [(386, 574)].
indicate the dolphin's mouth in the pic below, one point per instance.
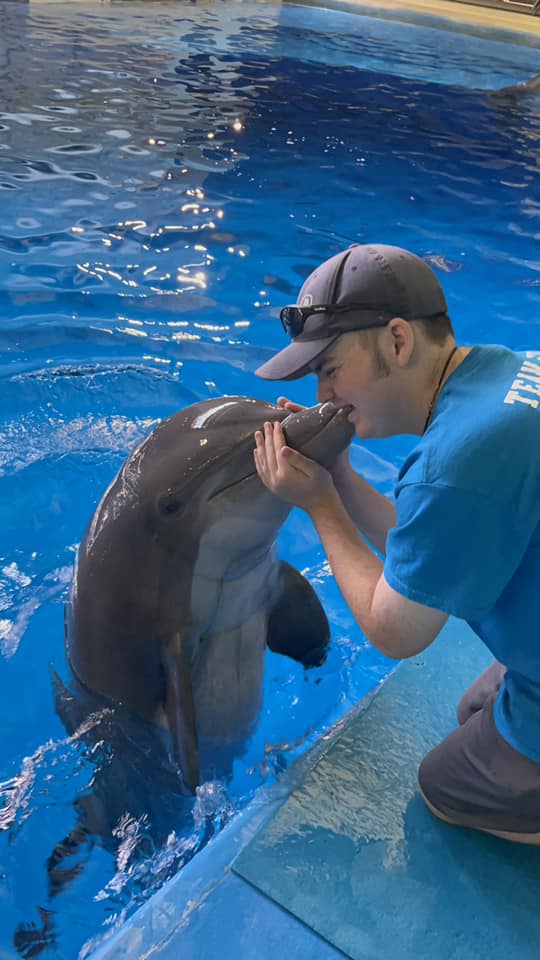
[(233, 483)]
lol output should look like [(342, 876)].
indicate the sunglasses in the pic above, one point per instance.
[(293, 318)]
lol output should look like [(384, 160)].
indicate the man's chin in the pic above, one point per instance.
[(364, 431)]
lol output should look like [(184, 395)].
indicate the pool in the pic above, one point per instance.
[(169, 175)]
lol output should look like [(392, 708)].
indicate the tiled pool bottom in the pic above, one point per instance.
[(342, 858)]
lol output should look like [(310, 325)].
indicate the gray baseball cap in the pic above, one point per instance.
[(361, 287)]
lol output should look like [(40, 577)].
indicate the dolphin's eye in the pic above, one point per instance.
[(171, 505)]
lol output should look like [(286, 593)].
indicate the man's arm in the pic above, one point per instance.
[(396, 626), (372, 513)]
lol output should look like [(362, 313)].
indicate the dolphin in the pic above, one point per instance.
[(178, 587)]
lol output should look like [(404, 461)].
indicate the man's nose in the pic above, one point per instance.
[(325, 392)]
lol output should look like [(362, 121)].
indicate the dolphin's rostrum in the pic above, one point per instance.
[(178, 587)]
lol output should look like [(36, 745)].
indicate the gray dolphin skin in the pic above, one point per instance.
[(178, 587)]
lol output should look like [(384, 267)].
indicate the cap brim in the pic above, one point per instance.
[(295, 360)]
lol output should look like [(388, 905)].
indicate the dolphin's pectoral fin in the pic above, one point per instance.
[(62, 867), (297, 625), (180, 710)]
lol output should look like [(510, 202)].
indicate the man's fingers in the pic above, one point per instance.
[(269, 448), (289, 405), (279, 437), (259, 447), (259, 454), (258, 462)]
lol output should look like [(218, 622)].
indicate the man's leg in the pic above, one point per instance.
[(483, 687), (475, 779)]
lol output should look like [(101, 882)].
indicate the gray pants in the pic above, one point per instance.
[(475, 778)]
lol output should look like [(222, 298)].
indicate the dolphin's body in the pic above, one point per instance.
[(178, 588)]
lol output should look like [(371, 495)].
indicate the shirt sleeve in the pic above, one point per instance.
[(453, 549)]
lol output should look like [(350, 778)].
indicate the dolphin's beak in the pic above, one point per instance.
[(321, 414), (300, 429), (321, 432)]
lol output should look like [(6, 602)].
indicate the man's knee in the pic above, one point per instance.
[(474, 778), (444, 771), (429, 778)]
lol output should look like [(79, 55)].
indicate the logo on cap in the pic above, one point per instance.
[(307, 301)]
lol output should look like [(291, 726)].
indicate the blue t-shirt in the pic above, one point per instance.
[(467, 538)]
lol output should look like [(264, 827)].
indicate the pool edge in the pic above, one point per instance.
[(457, 15), (165, 915)]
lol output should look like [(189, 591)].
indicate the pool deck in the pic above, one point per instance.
[(341, 858), (456, 13)]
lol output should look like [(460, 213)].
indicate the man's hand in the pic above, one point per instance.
[(288, 474)]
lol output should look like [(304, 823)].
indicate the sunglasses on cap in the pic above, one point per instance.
[(293, 318)]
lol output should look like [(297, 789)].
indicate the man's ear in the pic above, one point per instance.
[(401, 335)]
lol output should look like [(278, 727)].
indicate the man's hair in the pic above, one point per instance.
[(370, 340), (436, 329)]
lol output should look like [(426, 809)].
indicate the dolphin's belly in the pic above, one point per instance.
[(228, 680), (228, 665)]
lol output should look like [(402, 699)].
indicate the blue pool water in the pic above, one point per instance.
[(169, 174)]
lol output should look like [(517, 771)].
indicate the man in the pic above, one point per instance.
[(463, 538)]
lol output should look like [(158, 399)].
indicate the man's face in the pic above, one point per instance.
[(352, 373)]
